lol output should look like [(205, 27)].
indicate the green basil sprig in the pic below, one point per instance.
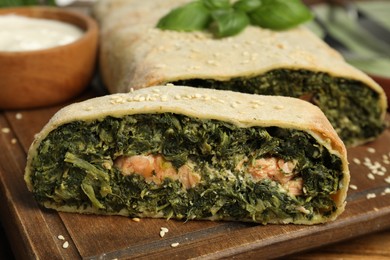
[(193, 16), (280, 14), (228, 22), (226, 19), (247, 6)]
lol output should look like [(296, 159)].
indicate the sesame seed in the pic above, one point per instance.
[(387, 179), (353, 187), (61, 237), (175, 244), (5, 130), (177, 97), (376, 209), (156, 90), (255, 106), (131, 90), (356, 160), (234, 105), (136, 219), (380, 173), (169, 85), (14, 141), (65, 244), (164, 229), (371, 176), (162, 233), (18, 116), (370, 150), (164, 98), (366, 159), (278, 107), (256, 102), (197, 95), (387, 191), (371, 196)]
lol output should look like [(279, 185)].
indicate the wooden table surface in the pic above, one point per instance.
[(369, 246)]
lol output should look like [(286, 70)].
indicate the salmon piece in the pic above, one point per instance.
[(277, 170), (140, 164), (272, 168), (154, 168), (294, 187), (188, 177), (163, 169)]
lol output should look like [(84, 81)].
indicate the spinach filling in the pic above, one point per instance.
[(351, 107), (75, 167)]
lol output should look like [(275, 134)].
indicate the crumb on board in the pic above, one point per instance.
[(163, 231), (65, 244), (357, 161), (370, 196), (18, 116), (386, 191), (5, 130), (353, 187), (176, 244)]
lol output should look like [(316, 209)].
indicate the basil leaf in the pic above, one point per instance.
[(247, 5), (193, 16), (216, 4), (229, 22), (280, 14)]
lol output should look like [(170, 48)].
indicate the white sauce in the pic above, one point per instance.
[(20, 33)]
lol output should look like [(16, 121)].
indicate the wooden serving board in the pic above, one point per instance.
[(33, 231)]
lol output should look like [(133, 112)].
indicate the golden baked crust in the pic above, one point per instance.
[(136, 54), (242, 110)]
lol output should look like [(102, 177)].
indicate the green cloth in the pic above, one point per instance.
[(356, 38)]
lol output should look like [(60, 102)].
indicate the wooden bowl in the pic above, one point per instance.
[(50, 76)]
